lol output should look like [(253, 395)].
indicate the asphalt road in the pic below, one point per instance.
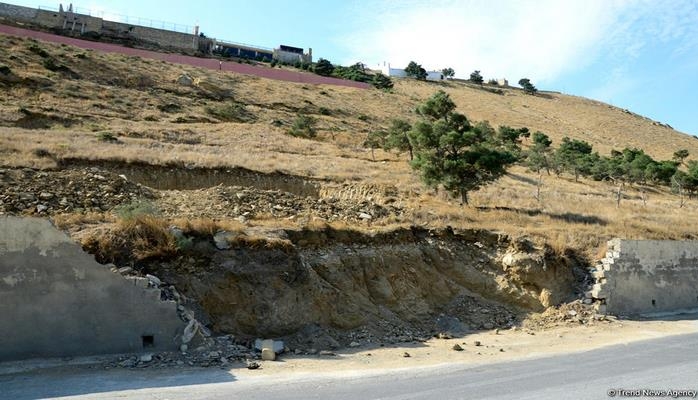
[(658, 364)]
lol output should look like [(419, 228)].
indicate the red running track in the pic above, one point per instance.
[(247, 69)]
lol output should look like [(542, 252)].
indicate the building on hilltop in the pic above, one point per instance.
[(73, 22), (387, 70), (292, 55)]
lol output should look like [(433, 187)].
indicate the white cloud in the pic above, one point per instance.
[(540, 40)]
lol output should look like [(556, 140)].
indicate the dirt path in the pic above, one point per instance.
[(210, 63)]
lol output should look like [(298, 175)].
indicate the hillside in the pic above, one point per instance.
[(63, 106)]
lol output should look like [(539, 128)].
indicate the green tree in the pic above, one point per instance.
[(680, 155), (527, 86), (574, 156), (398, 137), (375, 140), (437, 106), (381, 81), (416, 71), (475, 77), (448, 73), (323, 67), (538, 158), (356, 72), (452, 153)]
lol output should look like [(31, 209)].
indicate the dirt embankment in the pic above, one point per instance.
[(328, 288)]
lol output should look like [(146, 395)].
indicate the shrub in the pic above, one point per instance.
[(231, 112), (107, 137), (34, 48), (136, 208), (303, 126), (325, 111), (5, 70)]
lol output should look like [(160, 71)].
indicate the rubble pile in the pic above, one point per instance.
[(247, 203), (32, 192), (572, 313)]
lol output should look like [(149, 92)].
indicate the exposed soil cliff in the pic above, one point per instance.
[(404, 284)]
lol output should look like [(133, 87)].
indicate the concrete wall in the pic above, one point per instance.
[(56, 300), (647, 276), (18, 13), (71, 21)]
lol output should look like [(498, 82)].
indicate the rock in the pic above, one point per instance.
[(457, 347), (146, 358), (124, 270), (501, 350), (41, 208), (354, 344), (268, 354), (444, 335), (450, 325), (365, 216), (221, 240), (46, 196), (252, 364), (183, 348), (406, 355), (27, 197), (477, 343), (189, 331), (185, 80), (214, 354), (276, 345), (327, 353), (488, 325), (154, 280)]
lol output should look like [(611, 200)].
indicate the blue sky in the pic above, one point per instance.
[(641, 55)]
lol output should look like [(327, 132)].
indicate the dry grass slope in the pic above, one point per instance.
[(111, 107)]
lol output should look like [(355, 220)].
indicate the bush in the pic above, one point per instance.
[(34, 48), (134, 209), (303, 126), (325, 111), (107, 137), (232, 112), (381, 81), (5, 70), (323, 67)]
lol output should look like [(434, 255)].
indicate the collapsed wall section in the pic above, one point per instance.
[(647, 276), (56, 300)]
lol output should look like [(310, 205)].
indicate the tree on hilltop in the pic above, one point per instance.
[(323, 67), (475, 77), (381, 81), (416, 71), (527, 86), (448, 73)]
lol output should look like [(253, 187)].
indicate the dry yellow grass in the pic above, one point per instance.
[(158, 121)]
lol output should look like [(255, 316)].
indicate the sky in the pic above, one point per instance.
[(641, 55)]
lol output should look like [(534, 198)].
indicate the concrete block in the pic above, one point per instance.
[(268, 354)]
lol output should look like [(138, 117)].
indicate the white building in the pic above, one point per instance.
[(387, 70)]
